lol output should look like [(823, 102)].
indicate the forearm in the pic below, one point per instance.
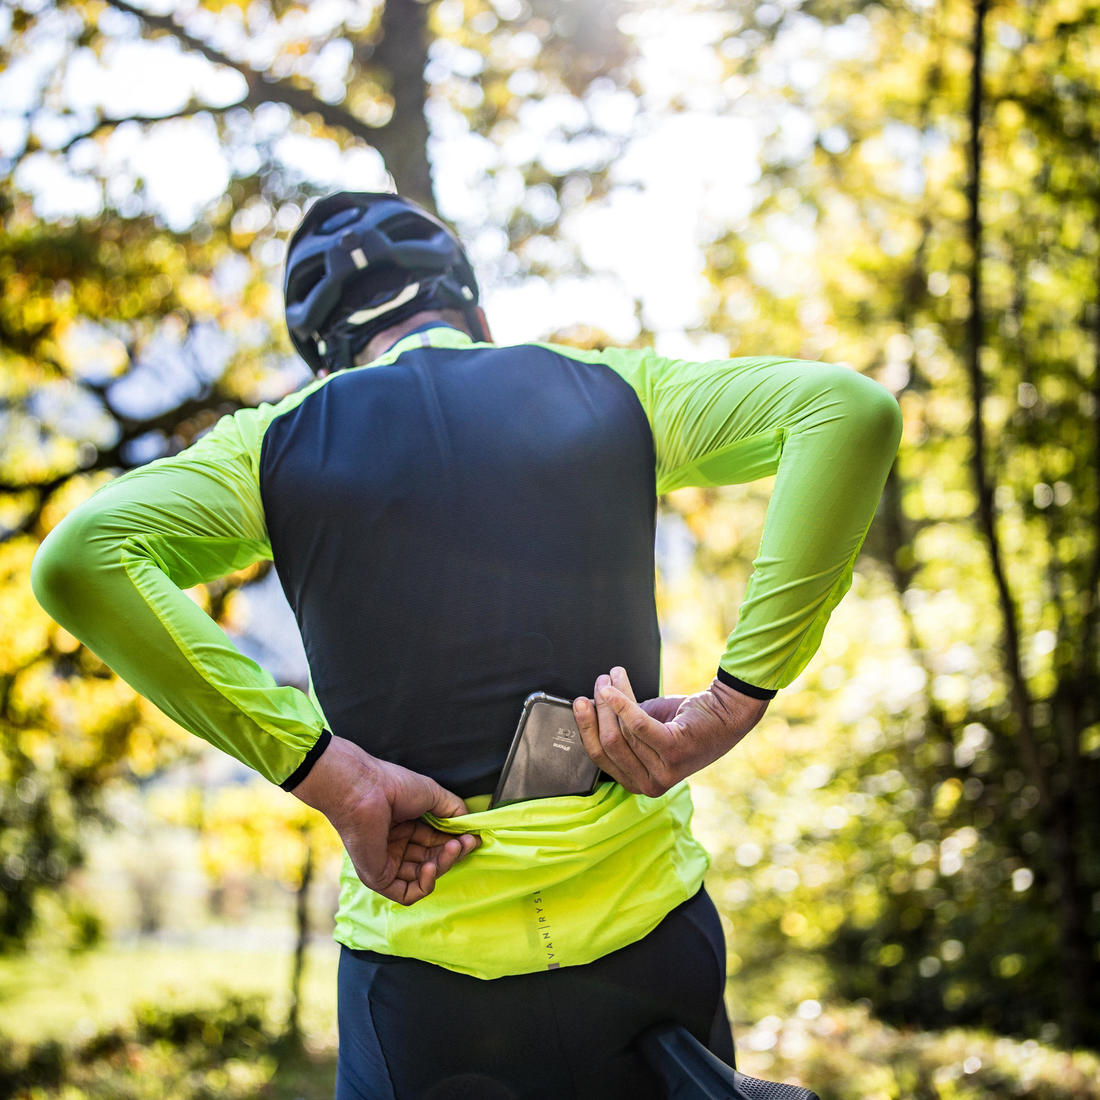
[(827, 433), (101, 575)]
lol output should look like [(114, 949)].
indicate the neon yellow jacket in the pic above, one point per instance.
[(113, 574)]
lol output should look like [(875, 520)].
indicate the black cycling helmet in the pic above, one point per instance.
[(362, 261)]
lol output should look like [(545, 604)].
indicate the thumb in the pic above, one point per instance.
[(446, 804), (412, 794), (663, 708)]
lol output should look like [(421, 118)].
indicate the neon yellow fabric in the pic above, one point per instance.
[(114, 570), (828, 434), (113, 573), (556, 882)]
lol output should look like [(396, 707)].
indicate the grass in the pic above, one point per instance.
[(51, 995), (147, 1021), (141, 1022)]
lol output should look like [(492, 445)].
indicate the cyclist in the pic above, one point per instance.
[(456, 525)]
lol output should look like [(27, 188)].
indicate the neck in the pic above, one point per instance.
[(382, 341)]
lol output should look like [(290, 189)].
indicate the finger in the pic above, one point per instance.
[(448, 855), (425, 835), (409, 870), (615, 745), (585, 714), (651, 741), (418, 852), (426, 883), (406, 893), (636, 724), (588, 723), (415, 879), (462, 846), (454, 849), (644, 751), (620, 680), (444, 856)]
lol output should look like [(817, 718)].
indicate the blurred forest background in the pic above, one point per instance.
[(907, 850)]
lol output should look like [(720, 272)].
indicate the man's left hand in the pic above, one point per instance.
[(649, 747)]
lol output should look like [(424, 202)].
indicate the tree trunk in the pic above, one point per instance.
[(1018, 692), (294, 1023), (1057, 808), (403, 54)]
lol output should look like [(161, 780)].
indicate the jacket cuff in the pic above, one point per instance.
[(306, 766), (751, 690)]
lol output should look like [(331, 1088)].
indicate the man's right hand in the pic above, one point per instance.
[(376, 808)]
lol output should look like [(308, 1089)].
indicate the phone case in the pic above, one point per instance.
[(547, 757)]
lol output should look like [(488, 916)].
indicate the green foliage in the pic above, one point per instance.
[(916, 823), (128, 325), (845, 1054), (224, 1051), (236, 1026), (958, 882)]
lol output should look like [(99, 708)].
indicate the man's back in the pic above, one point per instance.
[(456, 529)]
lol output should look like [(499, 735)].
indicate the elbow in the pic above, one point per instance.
[(59, 568), (874, 416), (887, 420), (51, 574)]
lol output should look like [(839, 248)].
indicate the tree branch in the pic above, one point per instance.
[(111, 458), (189, 111), (262, 87)]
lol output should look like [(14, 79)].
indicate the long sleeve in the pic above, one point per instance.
[(828, 434), (113, 574)]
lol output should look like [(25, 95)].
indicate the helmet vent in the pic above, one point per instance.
[(305, 277), (405, 228), (339, 220)]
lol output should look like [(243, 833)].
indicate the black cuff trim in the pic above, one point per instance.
[(306, 766), (750, 690)]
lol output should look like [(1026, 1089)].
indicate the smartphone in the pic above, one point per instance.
[(547, 757)]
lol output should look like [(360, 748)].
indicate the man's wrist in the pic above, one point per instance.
[(740, 711), (340, 778), (306, 766), (745, 688)]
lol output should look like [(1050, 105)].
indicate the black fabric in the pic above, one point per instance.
[(311, 758), (413, 1031), (455, 531), (751, 690)]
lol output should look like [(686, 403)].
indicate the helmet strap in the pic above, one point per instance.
[(477, 329), (339, 351)]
